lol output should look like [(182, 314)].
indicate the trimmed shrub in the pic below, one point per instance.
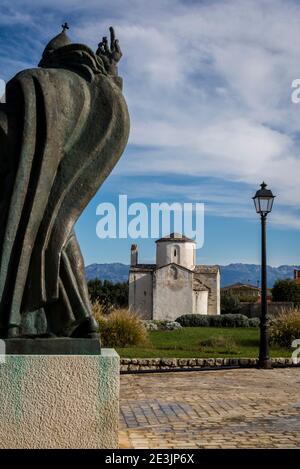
[(156, 325), (285, 327), (203, 320), (121, 328), (172, 326), (150, 326), (194, 320), (234, 320), (215, 321), (254, 322)]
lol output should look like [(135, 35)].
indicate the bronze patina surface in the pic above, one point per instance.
[(63, 128)]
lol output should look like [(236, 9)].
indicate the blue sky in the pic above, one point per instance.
[(208, 86)]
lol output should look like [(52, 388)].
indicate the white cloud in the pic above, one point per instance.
[(8, 17), (227, 112), (208, 86)]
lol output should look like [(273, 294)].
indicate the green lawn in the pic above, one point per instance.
[(201, 342)]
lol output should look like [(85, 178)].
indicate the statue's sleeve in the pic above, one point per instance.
[(3, 158)]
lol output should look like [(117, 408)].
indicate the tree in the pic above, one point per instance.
[(230, 304), (109, 294), (286, 290)]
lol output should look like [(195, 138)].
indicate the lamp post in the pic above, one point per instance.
[(263, 201)]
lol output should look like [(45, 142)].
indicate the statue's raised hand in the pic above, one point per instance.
[(115, 50), (110, 55)]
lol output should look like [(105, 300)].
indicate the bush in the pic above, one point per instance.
[(234, 320), (121, 328), (215, 321), (285, 327), (193, 320), (172, 326), (156, 325), (229, 303), (98, 310), (150, 325), (286, 290), (203, 320), (254, 322)]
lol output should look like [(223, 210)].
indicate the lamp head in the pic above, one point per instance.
[(263, 200)]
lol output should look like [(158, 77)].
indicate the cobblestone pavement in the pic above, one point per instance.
[(244, 408)]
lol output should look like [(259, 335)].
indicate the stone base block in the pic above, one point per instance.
[(59, 401), (56, 346)]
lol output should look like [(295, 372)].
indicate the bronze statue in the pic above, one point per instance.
[(63, 128)]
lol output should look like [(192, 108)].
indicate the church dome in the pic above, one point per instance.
[(176, 237), (176, 248)]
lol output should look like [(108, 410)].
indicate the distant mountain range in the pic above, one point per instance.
[(250, 273), (114, 272), (232, 273)]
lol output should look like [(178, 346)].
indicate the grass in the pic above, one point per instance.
[(202, 342)]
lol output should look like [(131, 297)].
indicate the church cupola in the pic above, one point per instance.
[(175, 248)]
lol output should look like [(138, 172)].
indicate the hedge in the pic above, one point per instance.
[(223, 320), (254, 322)]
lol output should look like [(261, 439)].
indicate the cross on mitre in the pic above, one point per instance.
[(65, 27)]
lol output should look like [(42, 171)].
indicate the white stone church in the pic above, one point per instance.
[(175, 285)]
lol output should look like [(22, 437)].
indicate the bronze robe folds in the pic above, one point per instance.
[(62, 130)]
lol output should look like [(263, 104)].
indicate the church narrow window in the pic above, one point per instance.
[(175, 253)]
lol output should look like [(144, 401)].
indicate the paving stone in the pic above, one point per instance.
[(242, 408)]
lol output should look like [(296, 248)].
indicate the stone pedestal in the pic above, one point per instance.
[(59, 401)]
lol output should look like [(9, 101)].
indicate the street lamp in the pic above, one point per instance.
[(263, 201)]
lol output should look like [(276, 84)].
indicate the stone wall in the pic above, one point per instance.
[(212, 281), (252, 310), (129, 365), (141, 293), (172, 292)]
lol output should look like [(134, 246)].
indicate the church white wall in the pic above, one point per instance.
[(179, 253), (200, 302), (212, 281), (140, 294), (172, 293)]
